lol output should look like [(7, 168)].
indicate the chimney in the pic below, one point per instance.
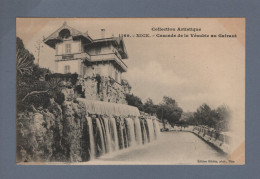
[(103, 33)]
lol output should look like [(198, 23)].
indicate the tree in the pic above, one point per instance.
[(214, 118), (188, 118), (169, 110), (133, 100), (149, 107), (182, 123), (203, 114), (32, 88), (24, 59), (168, 100), (224, 115)]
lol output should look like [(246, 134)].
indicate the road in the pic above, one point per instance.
[(171, 148)]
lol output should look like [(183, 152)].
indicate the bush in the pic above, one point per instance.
[(63, 77), (58, 97)]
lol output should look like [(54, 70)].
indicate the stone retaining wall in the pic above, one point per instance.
[(103, 89)]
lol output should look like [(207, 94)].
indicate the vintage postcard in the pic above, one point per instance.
[(130, 91)]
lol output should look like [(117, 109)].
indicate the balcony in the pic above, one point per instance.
[(74, 56), (93, 58), (109, 57)]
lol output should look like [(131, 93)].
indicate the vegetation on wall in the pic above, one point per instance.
[(63, 77), (37, 86), (48, 128)]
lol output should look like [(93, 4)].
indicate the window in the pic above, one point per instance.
[(116, 76), (56, 48), (68, 48), (66, 69), (80, 47), (119, 78), (84, 70), (110, 70)]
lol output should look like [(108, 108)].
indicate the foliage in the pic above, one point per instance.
[(168, 100), (125, 83), (24, 59), (149, 107), (182, 123), (214, 118), (33, 91), (224, 115), (133, 100), (23, 64), (48, 129), (63, 77), (169, 110), (20, 46)]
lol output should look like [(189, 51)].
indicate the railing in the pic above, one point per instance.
[(83, 55), (218, 139), (92, 58), (109, 56), (74, 56)]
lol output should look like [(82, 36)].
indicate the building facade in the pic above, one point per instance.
[(98, 62)]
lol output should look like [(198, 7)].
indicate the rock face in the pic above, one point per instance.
[(104, 89), (73, 126), (53, 134), (60, 132), (36, 133)]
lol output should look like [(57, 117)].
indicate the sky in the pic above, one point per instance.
[(193, 71)]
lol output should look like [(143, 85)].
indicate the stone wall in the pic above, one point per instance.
[(54, 134), (60, 131), (39, 135), (103, 89)]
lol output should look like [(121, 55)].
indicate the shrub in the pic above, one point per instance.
[(64, 77)]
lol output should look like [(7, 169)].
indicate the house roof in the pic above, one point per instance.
[(54, 38)]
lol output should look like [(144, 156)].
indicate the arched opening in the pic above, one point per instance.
[(64, 33)]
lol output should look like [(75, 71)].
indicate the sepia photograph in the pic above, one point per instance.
[(130, 91)]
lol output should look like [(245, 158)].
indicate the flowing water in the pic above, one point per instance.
[(112, 135), (150, 129), (101, 148), (144, 132), (171, 148), (109, 135), (130, 132), (156, 129), (138, 132), (91, 137)]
